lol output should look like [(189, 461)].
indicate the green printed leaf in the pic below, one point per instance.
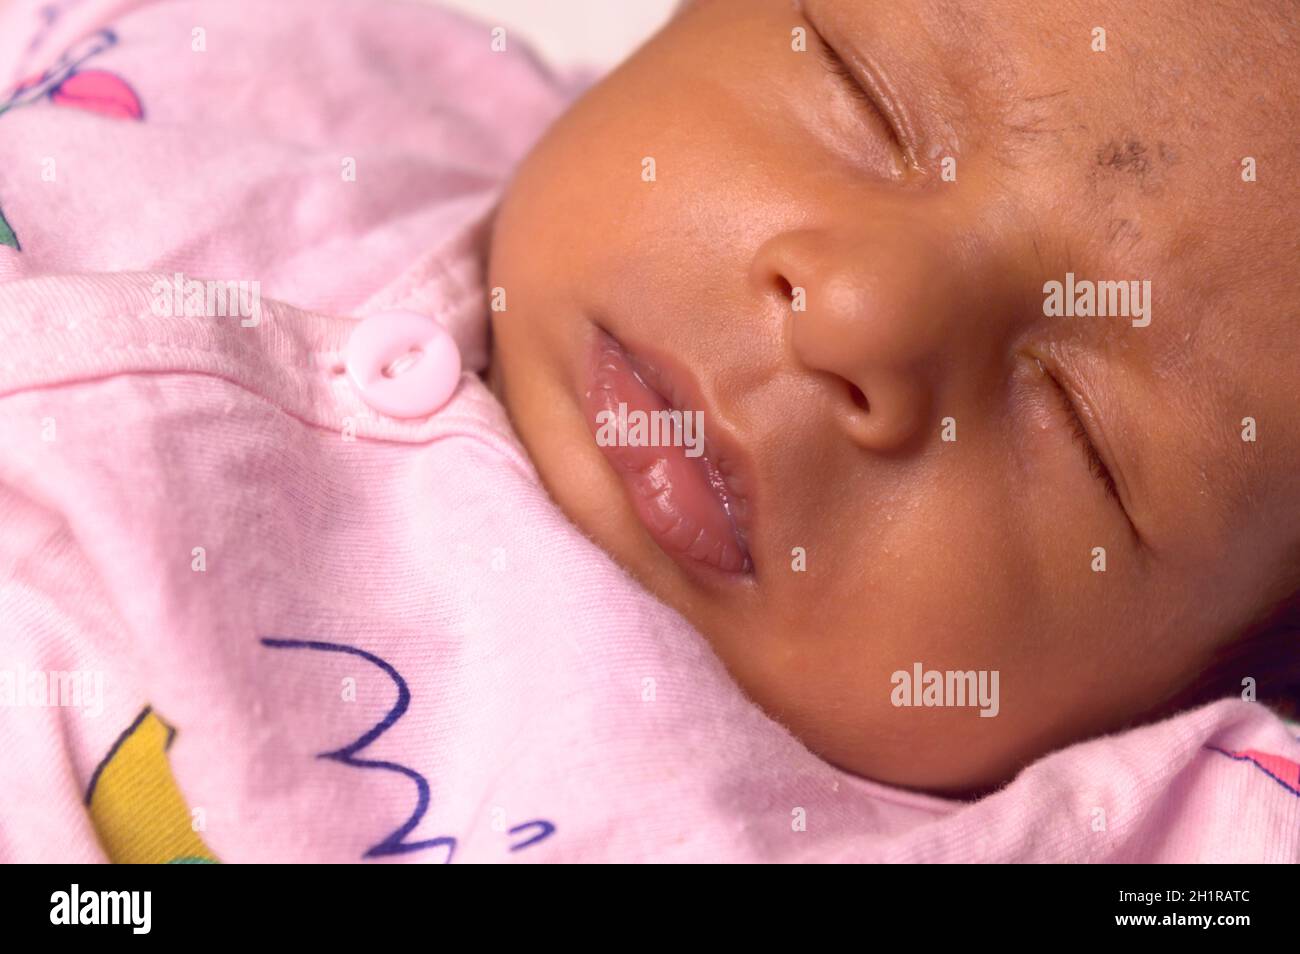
[(7, 236)]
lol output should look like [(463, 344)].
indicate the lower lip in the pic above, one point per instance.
[(682, 501)]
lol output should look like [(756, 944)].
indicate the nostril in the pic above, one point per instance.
[(859, 399)]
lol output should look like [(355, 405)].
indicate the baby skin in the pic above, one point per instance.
[(830, 229)]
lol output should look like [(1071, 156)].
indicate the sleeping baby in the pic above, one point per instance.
[(846, 431)]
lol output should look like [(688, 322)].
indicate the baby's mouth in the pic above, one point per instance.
[(678, 487)]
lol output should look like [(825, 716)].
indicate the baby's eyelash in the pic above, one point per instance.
[(1079, 433), (835, 65), (831, 60)]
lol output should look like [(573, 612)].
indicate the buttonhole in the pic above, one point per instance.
[(404, 363)]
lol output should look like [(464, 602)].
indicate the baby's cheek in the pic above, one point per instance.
[(970, 584)]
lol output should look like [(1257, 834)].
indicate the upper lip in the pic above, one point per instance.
[(677, 386)]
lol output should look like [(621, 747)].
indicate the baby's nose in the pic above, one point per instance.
[(878, 317)]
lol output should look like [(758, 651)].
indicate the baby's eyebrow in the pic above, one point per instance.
[(1037, 114), (1028, 122)]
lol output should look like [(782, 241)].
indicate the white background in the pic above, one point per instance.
[(570, 32)]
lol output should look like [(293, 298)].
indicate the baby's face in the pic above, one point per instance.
[(906, 461)]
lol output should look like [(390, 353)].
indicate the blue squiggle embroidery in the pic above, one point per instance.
[(547, 830), (395, 843)]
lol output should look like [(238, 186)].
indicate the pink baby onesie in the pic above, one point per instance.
[(360, 636)]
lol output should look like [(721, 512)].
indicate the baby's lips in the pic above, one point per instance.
[(674, 496)]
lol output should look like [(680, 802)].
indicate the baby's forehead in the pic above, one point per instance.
[(1157, 56)]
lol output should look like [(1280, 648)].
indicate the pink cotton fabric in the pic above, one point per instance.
[(554, 711)]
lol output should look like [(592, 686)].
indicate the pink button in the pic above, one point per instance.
[(404, 364)]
